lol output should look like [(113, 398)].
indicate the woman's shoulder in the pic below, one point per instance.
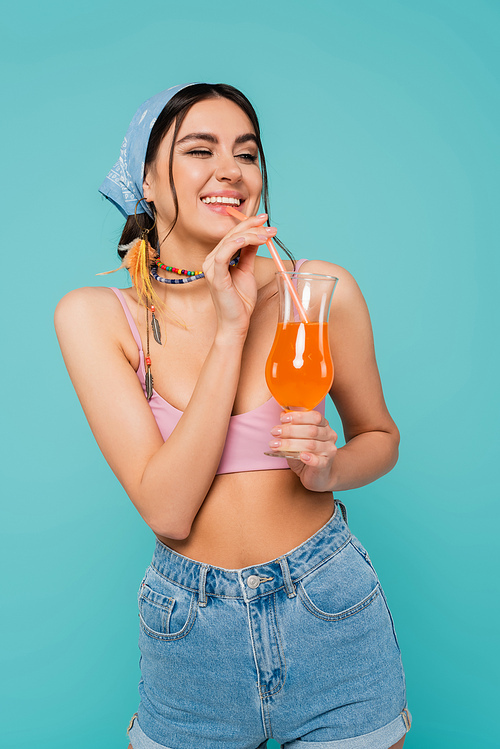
[(324, 267), (306, 266), (94, 307), (347, 290), (87, 300)]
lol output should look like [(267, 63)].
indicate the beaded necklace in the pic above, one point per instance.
[(180, 271), (189, 275)]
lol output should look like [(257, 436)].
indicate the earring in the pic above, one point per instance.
[(142, 258), (155, 326), (138, 259), (147, 362), (141, 263)]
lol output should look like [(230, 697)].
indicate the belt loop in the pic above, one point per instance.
[(202, 600), (285, 569), (406, 718), (134, 716), (342, 509)]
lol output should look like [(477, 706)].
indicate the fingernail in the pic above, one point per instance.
[(239, 239), (285, 417), (305, 456), (275, 443), (262, 215), (271, 230), (262, 236), (276, 431)]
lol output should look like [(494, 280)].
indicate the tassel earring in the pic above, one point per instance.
[(147, 360)]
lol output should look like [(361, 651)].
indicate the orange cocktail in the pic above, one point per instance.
[(299, 369)]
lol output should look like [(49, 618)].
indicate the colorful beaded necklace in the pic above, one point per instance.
[(180, 271), (190, 275)]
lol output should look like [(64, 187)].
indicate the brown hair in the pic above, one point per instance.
[(174, 114)]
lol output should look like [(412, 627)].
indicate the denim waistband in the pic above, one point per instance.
[(257, 580)]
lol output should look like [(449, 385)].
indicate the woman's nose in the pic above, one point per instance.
[(228, 170)]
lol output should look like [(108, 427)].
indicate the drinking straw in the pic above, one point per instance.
[(279, 264)]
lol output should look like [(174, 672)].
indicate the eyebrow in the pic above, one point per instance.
[(209, 138)]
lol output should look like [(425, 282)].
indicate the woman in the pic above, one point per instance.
[(261, 616)]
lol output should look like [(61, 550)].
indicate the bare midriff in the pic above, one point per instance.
[(250, 518)]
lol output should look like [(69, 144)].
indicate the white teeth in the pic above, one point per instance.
[(220, 199)]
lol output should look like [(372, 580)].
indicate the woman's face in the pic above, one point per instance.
[(215, 157)]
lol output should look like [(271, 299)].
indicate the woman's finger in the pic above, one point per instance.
[(320, 433), (221, 256), (303, 417), (251, 221), (254, 223), (246, 263), (305, 432), (312, 460), (316, 447)]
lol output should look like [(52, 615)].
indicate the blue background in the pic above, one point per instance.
[(380, 123)]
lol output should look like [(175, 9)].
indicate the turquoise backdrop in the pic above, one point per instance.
[(380, 123)]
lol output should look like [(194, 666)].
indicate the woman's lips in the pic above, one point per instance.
[(220, 208)]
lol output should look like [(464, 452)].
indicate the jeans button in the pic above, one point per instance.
[(253, 581)]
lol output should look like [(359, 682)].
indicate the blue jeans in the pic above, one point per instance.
[(301, 649)]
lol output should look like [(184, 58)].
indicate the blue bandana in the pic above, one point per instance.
[(123, 184)]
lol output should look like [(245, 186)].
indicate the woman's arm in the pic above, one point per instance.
[(166, 481), (372, 438)]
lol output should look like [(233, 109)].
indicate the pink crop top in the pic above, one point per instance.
[(248, 434)]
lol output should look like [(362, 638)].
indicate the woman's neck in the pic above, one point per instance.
[(182, 252)]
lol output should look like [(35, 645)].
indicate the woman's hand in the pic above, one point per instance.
[(309, 433), (234, 290)]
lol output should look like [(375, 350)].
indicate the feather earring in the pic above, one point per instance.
[(138, 259), (141, 260), (155, 326)]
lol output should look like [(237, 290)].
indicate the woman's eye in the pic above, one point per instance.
[(200, 152), (252, 158)]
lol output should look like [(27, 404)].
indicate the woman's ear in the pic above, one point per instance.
[(147, 188)]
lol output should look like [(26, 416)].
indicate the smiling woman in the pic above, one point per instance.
[(255, 568), (212, 154)]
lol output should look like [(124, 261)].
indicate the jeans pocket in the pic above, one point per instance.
[(167, 611), (363, 552), (340, 587)]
